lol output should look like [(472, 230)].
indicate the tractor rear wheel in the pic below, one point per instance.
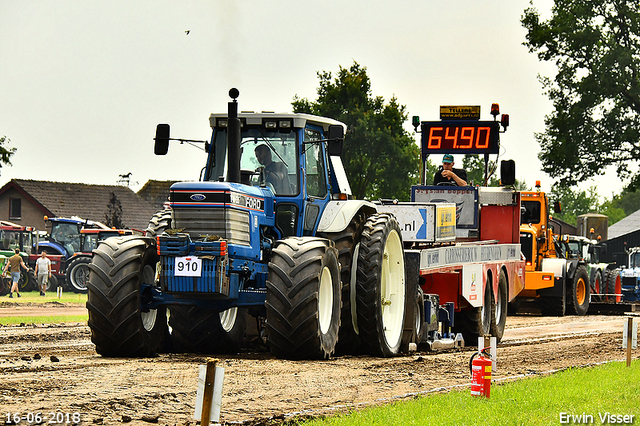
[(208, 331), (28, 281), (78, 274), (598, 286), (347, 243), (614, 286), (381, 286), (303, 298), (119, 325), (499, 308), (158, 223)]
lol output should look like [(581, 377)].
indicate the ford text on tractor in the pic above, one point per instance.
[(271, 233)]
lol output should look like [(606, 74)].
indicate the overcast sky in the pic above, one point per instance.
[(84, 83)]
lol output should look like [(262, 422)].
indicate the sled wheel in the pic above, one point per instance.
[(578, 292), (499, 308), (381, 286), (78, 274), (476, 322), (119, 325), (303, 298), (209, 331)]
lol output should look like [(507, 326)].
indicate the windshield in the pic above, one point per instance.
[(67, 235), (269, 157), (10, 240), (634, 260), (530, 212)]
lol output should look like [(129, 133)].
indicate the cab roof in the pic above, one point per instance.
[(257, 118)]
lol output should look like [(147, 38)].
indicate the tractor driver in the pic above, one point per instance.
[(275, 173), (447, 175)]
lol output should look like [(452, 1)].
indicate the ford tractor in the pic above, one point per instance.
[(268, 232)]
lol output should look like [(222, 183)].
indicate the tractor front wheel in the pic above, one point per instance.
[(381, 286), (303, 298), (578, 292), (120, 327), (78, 274), (208, 331)]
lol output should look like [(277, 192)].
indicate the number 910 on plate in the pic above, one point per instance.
[(188, 266)]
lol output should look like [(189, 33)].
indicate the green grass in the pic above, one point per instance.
[(610, 388), (55, 319), (33, 297)]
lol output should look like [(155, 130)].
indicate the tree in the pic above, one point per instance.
[(5, 152), (574, 202), (113, 216), (380, 157), (596, 92)]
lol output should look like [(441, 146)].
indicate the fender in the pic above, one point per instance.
[(338, 214)]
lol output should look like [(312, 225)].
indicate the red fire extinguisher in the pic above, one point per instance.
[(481, 373)]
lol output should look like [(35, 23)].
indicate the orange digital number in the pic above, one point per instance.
[(434, 141), (466, 135), (483, 143), (454, 138)]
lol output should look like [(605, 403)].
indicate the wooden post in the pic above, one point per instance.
[(629, 340), (205, 417)]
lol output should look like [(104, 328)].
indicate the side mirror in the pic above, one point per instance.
[(557, 208), (507, 172), (161, 146), (335, 139)]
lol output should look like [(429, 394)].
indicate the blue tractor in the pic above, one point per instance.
[(270, 232)]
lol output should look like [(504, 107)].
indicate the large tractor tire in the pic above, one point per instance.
[(158, 223), (476, 322), (119, 326), (28, 281), (598, 286), (614, 286), (499, 308), (303, 298), (578, 292), (381, 288), (554, 306), (78, 274), (207, 331), (5, 285), (348, 244)]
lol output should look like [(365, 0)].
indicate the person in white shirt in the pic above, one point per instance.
[(43, 272)]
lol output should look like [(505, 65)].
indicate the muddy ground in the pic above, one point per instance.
[(54, 369)]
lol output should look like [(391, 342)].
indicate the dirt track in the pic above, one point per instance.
[(258, 387)]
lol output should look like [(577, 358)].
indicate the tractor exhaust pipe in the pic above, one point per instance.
[(233, 139)]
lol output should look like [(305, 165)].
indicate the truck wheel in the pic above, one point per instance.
[(578, 292), (347, 243), (553, 306), (78, 274), (380, 286), (119, 326), (614, 286), (499, 308), (476, 322), (200, 330), (303, 298)]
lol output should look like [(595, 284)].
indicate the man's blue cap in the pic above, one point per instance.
[(448, 158)]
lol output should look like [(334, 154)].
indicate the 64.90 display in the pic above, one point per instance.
[(461, 137)]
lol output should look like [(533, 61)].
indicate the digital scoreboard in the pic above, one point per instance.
[(460, 137)]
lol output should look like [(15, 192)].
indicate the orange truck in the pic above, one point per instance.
[(557, 283)]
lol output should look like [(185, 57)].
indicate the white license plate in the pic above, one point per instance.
[(188, 266)]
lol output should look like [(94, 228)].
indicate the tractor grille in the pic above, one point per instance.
[(526, 244), (231, 225)]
